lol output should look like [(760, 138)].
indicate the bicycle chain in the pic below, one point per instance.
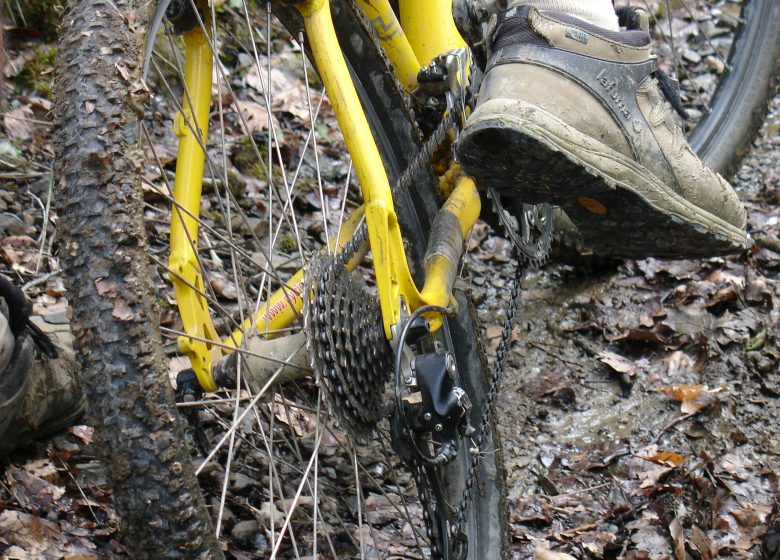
[(495, 381)]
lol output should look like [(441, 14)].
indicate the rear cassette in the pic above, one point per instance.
[(347, 345)]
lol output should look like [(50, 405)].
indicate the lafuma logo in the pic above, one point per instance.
[(612, 90)]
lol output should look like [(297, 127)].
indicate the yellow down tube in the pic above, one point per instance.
[(191, 126)]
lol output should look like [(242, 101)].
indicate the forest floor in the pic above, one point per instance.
[(639, 414)]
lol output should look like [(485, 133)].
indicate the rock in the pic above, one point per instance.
[(259, 226), (239, 482), (227, 514), (10, 224), (245, 530), (285, 504), (268, 514), (715, 64), (691, 56)]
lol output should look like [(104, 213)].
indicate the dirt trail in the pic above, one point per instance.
[(603, 459)]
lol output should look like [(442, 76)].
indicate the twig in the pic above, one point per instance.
[(581, 491), (83, 495), (16, 497), (25, 119), (28, 175), (40, 280), (671, 425), (554, 355), (45, 224)]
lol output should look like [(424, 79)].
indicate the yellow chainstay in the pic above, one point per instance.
[(406, 52)]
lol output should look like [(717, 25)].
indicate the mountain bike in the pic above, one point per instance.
[(334, 368)]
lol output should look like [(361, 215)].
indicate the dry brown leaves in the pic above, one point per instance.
[(692, 398)]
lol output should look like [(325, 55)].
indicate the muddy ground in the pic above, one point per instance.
[(639, 417), (638, 414)]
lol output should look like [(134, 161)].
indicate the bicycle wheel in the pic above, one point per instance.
[(725, 55), (288, 472)]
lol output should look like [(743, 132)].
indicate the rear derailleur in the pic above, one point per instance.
[(431, 416), (427, 427)]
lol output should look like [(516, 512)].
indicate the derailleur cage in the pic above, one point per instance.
[(440, 87)]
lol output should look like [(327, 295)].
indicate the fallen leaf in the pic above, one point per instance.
[(543, 552), (702, 543), (254, 115), (42, 468), (651, 477), (122, 311), (682, 393), (105, 287), (84, 433), (32, 534), (33, 492), (123, 72), (678, 537), (668, 458), (619, 363), (678, 362), (18, 123)]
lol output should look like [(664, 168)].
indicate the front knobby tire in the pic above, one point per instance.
[(115, 321)]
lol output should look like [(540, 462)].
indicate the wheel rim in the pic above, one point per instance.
[(315, 477)]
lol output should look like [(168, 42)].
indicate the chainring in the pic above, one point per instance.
[(528, 226), (347, 346)]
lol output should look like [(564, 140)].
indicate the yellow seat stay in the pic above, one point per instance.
[(428, 30)]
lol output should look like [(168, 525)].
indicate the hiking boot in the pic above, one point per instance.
[(579, 116), (39, 390)]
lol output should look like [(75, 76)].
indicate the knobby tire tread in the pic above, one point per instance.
[(115, 321)]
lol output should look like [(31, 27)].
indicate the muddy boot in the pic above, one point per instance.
[(579, 116), (39, 391)]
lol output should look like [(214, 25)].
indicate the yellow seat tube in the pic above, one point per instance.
[(381, 16), (430, 28), (191, 126)]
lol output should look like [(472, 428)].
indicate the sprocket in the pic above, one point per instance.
[(528, 226), (347, 345)]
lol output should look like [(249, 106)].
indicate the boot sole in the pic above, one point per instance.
[(619, 206)]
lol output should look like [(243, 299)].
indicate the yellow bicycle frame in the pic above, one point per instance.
[(426, 30)]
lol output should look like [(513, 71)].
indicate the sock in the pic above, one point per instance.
[(600, 13)]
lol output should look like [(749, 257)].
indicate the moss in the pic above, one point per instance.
[(244, 157), (42, 15), (287, 242), (36, 74)]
